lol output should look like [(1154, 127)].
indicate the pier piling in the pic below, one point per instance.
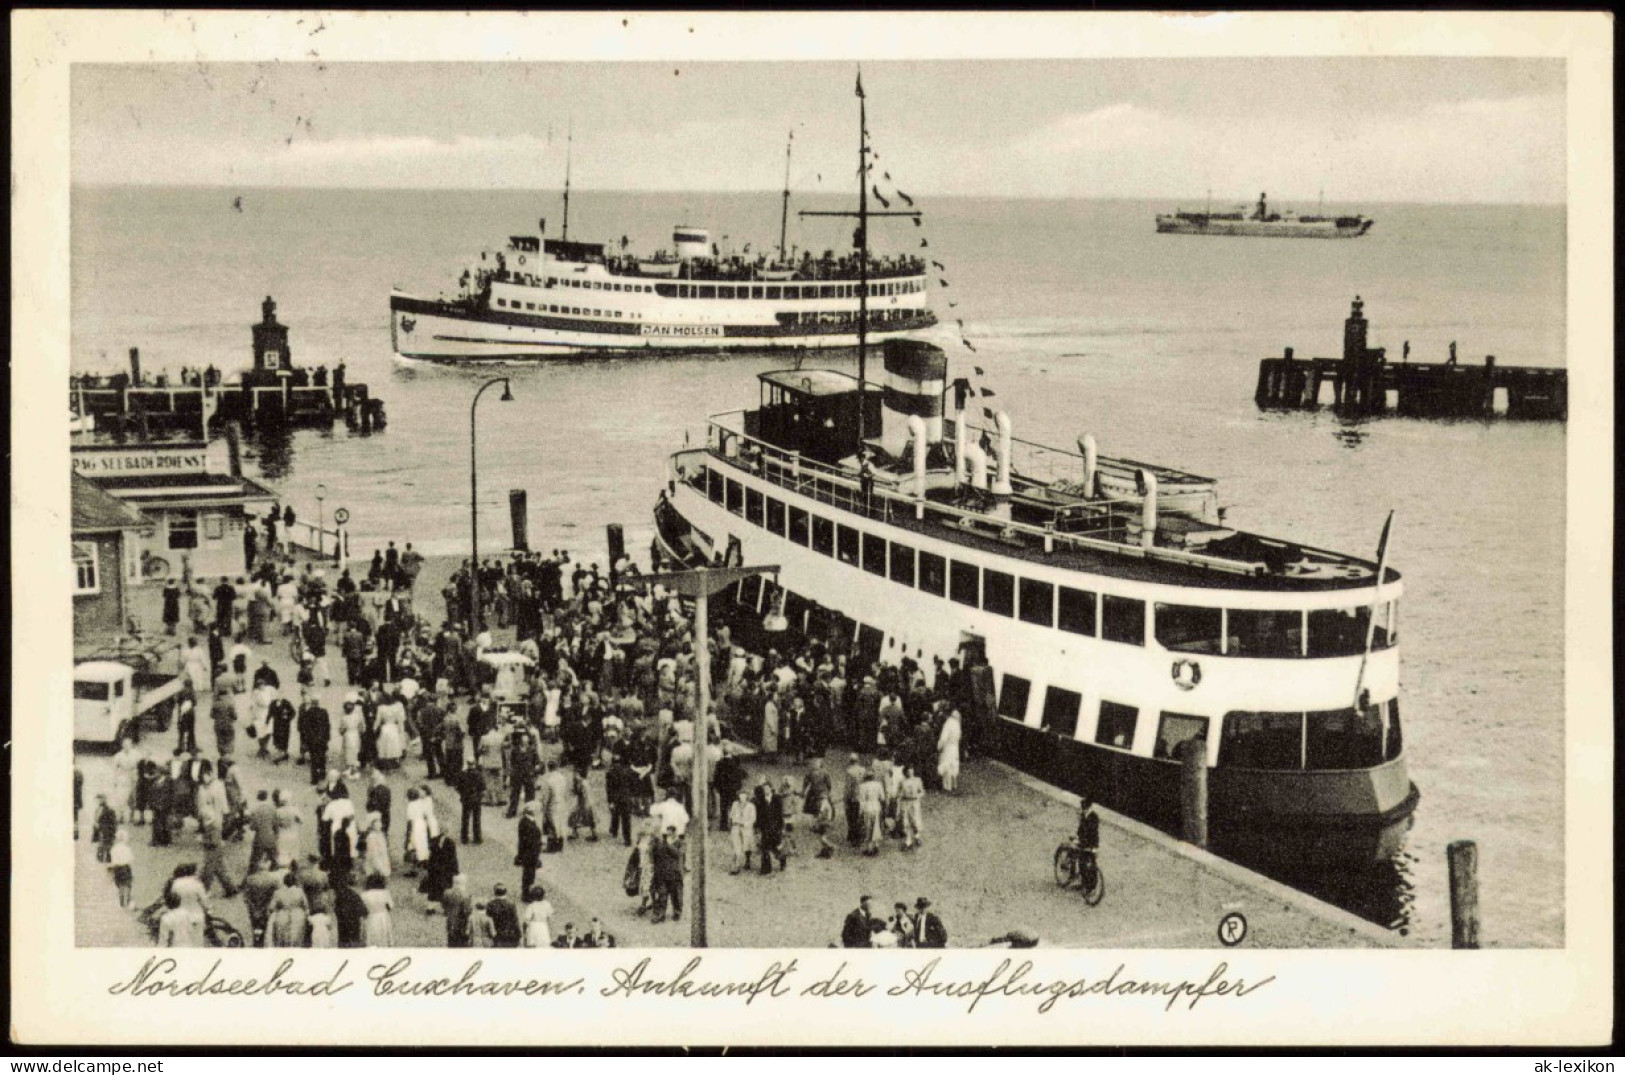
[(519, 514), (1463, 857), (1193, 790)]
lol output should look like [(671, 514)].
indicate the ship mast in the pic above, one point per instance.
[(861, 241), (784, 214), (569, 145)]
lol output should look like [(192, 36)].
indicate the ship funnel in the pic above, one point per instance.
[(1091, 461), (1001, 484), (917, 432), (977, 459), (691, 242), (916, 378), (1148, 509)]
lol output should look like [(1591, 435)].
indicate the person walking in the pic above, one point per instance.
[(871, 801), (281, 715), (290, 914), (505, 928), (259, 890), (180, 926), (859, 925), (471, 793), (621, 788), (315, 733), (910, 800), (375, 848), (458, 910), (529, 858), (948, 753), (770, 826), (121, 865), (854, 815), (378, 931), (536, 921), (288, 821), (224, 718), (741, 829), (667, 885), (929, 932)]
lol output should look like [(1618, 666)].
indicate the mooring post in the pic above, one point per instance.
[(1193, 785), (1463, 856)]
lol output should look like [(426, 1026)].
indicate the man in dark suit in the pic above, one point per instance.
[(620, 785), (858, 928), (667, 882), (504, 918), (315, 732), (471, 792), (529, 858), (770, 826), (929, 932)]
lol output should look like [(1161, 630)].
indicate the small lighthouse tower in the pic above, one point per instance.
[(1354, 329), (271, 353)]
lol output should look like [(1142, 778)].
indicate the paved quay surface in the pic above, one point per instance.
[(985, 863)]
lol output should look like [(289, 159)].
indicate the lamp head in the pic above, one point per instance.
[(507, 391)]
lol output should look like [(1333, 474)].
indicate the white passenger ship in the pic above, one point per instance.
[(1119, 614), (543, 298)]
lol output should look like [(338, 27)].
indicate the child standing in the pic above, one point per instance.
[(104, 830), (481, 932), (120, 862)]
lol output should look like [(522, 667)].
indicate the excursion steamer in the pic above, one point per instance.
[(1119, 615)]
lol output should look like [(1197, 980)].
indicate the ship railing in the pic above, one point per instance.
[(1031, 459), (841, 488)]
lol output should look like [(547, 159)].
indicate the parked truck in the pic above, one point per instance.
[(113, 701)]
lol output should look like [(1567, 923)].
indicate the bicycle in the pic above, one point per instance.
[(1073, 865)]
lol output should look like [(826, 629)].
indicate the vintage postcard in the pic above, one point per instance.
[(1110, 509)]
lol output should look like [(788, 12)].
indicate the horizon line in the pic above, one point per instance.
[(775, 192)]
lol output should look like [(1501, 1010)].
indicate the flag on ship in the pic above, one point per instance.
[(988, 392), (972, 346), (903, 196), (881, 198), (941, 281), (940, 265), (979, 371), (924, 244)]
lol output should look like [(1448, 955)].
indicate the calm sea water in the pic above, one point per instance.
[(1082, 318)]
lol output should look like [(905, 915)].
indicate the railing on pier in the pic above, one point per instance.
[(839, 488), (319, 541)]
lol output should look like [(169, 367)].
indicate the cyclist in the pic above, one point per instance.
[(1088, 835)]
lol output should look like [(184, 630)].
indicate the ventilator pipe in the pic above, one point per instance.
[(1148, 509), (1001, 485), (916, 430), (960, 444), (977, 459), (1091, 457)]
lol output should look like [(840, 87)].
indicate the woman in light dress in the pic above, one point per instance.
[(391, 733), (378, 931), (323, 931), (288, 821), (260, 706), (422, 826), (536, 920), (350, 727), (375, 848), (770, 725), (948, 753), (126, 763), (910, 797), (290, 914)]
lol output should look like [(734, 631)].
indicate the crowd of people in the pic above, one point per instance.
[(594, 700)]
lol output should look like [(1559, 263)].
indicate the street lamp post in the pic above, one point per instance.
[(700, 584), (474, 501), (321, 498)]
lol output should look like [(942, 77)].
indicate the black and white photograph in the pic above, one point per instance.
[(1097, 500)]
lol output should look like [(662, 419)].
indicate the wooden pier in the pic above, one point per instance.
[(1364, 382), (273, 392)]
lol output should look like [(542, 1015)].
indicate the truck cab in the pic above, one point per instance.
[(111, 700)]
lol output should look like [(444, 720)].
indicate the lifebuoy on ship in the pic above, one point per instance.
[(521, 259), (1187, 674)]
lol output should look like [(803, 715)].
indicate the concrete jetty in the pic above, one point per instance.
[(1365, 382)]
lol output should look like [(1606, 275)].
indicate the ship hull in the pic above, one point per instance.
[(1290, 817), (427, 330), (1262, 229)]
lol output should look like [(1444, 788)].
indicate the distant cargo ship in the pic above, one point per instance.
[(1262, 222)]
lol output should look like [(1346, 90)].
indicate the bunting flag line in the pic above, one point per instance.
[(941, 281), (988, 392), (906, 198), (879, 197), (886, 174), (940, 265), (987, 412), (979, 371), (916, 221), (972, 346), (924, 244)]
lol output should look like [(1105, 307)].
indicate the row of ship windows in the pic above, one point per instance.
[(786, 291), (596, 285), (546, 308), (1179, 628), (1325, 739)]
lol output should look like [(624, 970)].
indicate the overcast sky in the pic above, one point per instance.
[(1427, 130)]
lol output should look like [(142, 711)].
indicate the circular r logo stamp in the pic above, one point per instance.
[(1232, 929)]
